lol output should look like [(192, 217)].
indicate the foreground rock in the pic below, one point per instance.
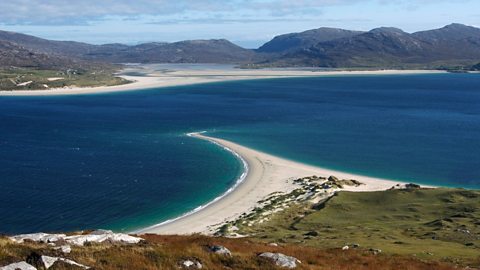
[(99, 236), (191, 264), (50, 261), (18, 266), (280, 259), (221, 250)]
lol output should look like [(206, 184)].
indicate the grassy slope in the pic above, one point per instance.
[(102, 76), (165, 252), (440, 224)]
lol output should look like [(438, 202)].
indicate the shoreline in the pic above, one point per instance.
[(153, 79), (264, 174)]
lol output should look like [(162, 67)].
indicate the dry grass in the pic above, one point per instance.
[(165, 252)]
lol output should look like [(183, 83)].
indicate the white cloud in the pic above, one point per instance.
[(79, 12)]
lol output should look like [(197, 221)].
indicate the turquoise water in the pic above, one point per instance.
[(122, 160)]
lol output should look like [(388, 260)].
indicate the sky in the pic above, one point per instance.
[(248, 23)]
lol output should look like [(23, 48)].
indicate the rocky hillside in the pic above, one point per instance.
[(454, 44), (304, 40), (190, 51), (40, 45), (14, 55)]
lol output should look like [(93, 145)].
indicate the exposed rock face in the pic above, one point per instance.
[(18, 266), (220, 250), (98, 236), (281, 260)]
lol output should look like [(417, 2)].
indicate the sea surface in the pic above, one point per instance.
[(122, 161)]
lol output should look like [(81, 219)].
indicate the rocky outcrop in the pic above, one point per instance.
[(281, 260), (50, 261), (38, 237), (99, 236), (18, 266), (337, 183)]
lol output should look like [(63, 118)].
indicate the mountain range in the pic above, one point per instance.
[(387, 47), (451, 46)]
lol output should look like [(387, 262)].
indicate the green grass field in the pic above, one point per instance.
[(432, 224)]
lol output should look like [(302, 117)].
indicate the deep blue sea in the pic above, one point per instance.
[(122, 160)]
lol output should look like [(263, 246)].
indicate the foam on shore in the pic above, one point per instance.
[(239, 181)]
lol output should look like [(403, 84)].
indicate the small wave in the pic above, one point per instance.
[(239, 180)]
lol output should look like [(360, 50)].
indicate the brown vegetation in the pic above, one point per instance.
[(165, 252)]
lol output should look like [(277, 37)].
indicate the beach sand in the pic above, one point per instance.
[(266, 174), (176, 76)]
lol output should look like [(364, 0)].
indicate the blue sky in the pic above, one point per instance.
[(248, 23)]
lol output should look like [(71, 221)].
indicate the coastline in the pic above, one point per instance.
[(153, 78), (264, 175)]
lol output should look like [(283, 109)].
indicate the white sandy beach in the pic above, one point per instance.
[(266, 174), (184, 76)]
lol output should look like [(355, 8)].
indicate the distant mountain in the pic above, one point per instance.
[(40, 45), (14, 55), (304, 40), (452, 32), (455, 41), (190, 51), (453, 45), (390, 47), (476, 67)]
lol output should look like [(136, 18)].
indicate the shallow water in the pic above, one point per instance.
[(122, 161)]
